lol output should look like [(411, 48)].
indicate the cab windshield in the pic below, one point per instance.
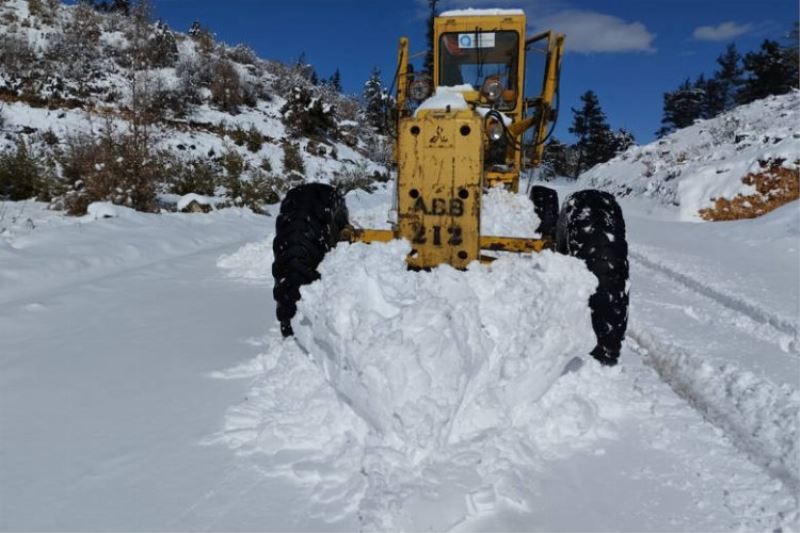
[(472, 58)]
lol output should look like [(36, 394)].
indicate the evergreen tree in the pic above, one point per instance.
[(682, 107), (376, 102), (307, 115), (195, 29), (728, 76), (714, 98), (554, 159), (595, 140), (770, 72), (335, 81), (429, 35), (306, 70), (792, 50)]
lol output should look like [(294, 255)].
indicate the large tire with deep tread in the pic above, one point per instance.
[(311, 218), (591, 227), (545, 205)]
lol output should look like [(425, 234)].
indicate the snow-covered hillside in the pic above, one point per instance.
[(81, 90), (145, 384), (725, 157)]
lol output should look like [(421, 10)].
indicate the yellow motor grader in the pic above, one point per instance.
[(460, 129)]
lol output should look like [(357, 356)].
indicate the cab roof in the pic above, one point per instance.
[(471, 12)]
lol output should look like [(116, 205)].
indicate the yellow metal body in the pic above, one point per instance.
[(440, 154), (439, 186)]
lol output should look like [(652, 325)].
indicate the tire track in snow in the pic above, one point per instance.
[(737, 304), (760, 417)]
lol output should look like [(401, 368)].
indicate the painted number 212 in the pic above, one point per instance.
[(454, 234)]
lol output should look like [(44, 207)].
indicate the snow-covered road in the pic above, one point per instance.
[(144, 385)]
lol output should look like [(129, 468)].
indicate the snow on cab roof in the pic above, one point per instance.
[(472, 12)]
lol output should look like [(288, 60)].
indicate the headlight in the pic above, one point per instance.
[(494, 128), (419, 89), (492, 89)]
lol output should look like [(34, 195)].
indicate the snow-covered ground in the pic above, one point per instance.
[(693, 166), (144, 383)]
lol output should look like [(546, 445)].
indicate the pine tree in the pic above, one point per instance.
[(792, 50), (714, 98), (595, 140), (770, 72), (307, 115), (554, 159), (681, 107), (376, 102), (335, 81), (306, 70), (729, 76), (429, 35)]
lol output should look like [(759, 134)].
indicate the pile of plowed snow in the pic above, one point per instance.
[(395, 376), (432, 358), (692, 167)]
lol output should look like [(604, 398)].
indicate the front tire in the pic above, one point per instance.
[(311, 218), (591, 227), (545, 205)]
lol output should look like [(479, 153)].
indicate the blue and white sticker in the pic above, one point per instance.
[(476, 40)]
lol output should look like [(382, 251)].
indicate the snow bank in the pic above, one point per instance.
[(430, 359), (708, 160)]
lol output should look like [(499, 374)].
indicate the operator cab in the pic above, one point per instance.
[(483, 60), (482, 51)]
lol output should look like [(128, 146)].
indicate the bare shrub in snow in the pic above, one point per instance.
[(350, 178), (17, 59), (258, 190), (120, 167), (193, 74), (226, 86), (194, 176), (75, 52), (160, 48), (44, 10), (241, 53), (251, 138), (292, 160), (380, 149)]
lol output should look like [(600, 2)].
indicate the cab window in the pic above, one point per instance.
[(472, 58)]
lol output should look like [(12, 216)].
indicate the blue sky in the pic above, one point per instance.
[(628, 51)]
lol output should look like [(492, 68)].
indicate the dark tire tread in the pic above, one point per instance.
[(591, 227), (311, 217)]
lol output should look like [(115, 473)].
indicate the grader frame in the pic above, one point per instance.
[(441, 154)]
